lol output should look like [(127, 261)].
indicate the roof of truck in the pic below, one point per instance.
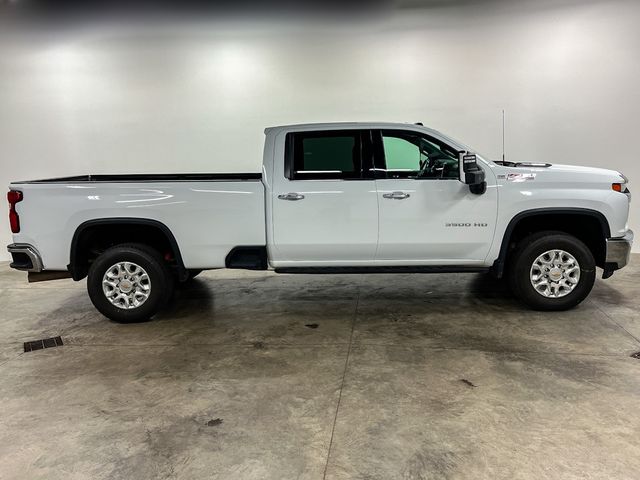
[(355, 125), (320, 126)]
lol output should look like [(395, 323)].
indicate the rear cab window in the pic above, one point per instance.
[(332, 154)]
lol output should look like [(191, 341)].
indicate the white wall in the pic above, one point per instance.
[(195, 96)]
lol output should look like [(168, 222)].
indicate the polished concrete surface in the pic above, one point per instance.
[(253, 375)]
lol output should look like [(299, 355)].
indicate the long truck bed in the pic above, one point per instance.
[(207, 214)]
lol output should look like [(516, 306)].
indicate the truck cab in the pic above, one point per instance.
[(389, 196)]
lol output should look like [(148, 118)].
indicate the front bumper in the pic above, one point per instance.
[(25, 257), (618, 251)]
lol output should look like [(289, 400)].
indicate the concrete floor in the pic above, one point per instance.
[(253, 375)]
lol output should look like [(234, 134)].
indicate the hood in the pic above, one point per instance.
[(551, 172), (584, 170)]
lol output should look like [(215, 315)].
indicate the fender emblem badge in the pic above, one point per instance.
[(520, 177)]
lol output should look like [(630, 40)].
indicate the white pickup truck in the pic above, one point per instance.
[(340, 197)]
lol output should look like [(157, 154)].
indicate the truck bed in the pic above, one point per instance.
[(208, 214), (149, 177)]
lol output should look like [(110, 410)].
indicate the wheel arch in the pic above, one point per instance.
[(590, 226), (142, 230)]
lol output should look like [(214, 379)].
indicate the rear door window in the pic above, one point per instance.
[(333, 154)]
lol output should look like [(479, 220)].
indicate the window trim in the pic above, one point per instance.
[(380, 163), (363, 137)]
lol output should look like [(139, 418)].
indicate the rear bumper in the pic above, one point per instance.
[(25, 257), (618, 251)]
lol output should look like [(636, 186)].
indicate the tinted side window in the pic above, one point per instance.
[(402, 154), (414, 155), (324, 155)]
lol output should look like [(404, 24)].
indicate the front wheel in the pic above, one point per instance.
[(129, 283), (552, 271)]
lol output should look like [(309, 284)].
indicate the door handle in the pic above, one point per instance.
[(291, 196), (396, 195)]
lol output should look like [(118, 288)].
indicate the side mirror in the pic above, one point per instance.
[(471, 174)]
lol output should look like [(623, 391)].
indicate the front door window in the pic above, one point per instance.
[(413, 155)]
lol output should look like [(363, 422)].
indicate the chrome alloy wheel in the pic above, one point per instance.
[(555, 273), (126, 285)]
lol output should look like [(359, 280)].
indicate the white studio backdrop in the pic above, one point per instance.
[(196, 96)]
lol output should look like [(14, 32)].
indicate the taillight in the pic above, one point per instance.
[(14, 196), (617, 187)]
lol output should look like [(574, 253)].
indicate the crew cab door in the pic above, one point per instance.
[(324, 212), (427, 216)]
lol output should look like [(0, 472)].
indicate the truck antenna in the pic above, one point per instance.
[(503, 134)]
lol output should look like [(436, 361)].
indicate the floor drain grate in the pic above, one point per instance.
[(636, 355), (40, 344)]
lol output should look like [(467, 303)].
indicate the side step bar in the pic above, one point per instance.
[(46, 275), (421, 269)]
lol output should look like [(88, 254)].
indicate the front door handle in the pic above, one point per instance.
[(293, 196), (396, 195)]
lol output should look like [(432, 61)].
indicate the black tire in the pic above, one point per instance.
[(161, 282), (529, 249)]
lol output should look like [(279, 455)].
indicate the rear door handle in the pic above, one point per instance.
[(293, 196), (396, 195)]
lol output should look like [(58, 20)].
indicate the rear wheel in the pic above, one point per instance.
[(552, 271), (129, 283)]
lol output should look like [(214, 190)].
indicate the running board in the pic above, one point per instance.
[(417, 269), (47, 275)]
